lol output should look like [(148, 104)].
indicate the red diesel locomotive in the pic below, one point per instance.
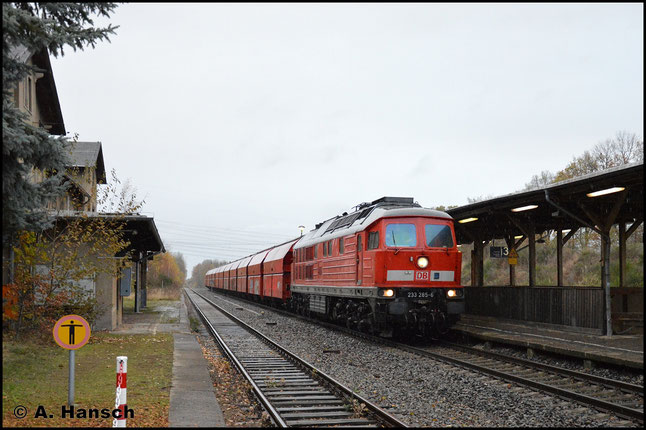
[(390, 265)]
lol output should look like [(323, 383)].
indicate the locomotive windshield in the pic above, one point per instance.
[(438, 236), (401, 235)]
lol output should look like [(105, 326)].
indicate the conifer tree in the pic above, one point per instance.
[(26, 148)]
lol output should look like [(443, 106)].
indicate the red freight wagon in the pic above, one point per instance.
[(219, 277), (277, 271), (242, 275), (220, 280), (254, 271), (225, 276), (233, 275), (209, 279)]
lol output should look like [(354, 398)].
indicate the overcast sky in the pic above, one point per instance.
[(239, 122)]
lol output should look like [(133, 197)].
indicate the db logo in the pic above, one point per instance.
[(422, 276)]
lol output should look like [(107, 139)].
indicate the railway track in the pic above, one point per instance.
[(294, 393), (623, 399)]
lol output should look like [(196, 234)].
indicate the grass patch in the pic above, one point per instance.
[(151, 305), (37, 374), (169, 293), (194, 323)]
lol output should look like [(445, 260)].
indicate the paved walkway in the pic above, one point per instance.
[(618, 350), (192, 396)]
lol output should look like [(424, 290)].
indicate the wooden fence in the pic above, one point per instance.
[(579, 308)]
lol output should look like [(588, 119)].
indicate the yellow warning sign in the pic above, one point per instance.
[(71, 332)]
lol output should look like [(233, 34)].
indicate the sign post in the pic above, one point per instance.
[(71, 332), (70, 387)]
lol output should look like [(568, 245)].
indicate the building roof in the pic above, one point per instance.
[(563, 205), (49, 106), (19, 53), (88, 154), (140, 230)]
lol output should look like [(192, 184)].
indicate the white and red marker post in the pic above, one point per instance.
[(120, 401)]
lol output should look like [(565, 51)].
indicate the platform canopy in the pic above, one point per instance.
[(143, 235), (597, 201), (564, 205), (139, 230)]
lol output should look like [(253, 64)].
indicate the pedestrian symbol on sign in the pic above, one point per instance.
[(72, 327)]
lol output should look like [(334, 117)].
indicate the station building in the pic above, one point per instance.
[(37, 97)]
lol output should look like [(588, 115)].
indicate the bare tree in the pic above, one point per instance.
[(629, 147)]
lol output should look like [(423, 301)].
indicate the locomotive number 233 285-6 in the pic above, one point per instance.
[(418, 294)]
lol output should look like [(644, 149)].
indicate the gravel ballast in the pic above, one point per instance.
[(417, 390)]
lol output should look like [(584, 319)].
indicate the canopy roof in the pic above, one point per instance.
[(562, 205), (140, 230)]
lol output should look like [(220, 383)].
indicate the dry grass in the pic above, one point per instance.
[(36, 374), (171, 293)]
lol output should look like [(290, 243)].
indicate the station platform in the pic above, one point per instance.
[(619, 350), (192, 397)]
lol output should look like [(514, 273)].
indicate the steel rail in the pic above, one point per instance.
[(273, 413), (610, 383), (563, 393), (382, 415), (627, 412)]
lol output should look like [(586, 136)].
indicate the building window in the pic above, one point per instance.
[(329, 248), (28, 94), (341, 245)]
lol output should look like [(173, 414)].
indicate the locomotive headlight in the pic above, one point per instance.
[(451, 293), (422, 262), (388, 293)]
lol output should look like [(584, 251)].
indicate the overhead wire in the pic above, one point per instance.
[(210, 242), (216, 230), (213, 241)]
